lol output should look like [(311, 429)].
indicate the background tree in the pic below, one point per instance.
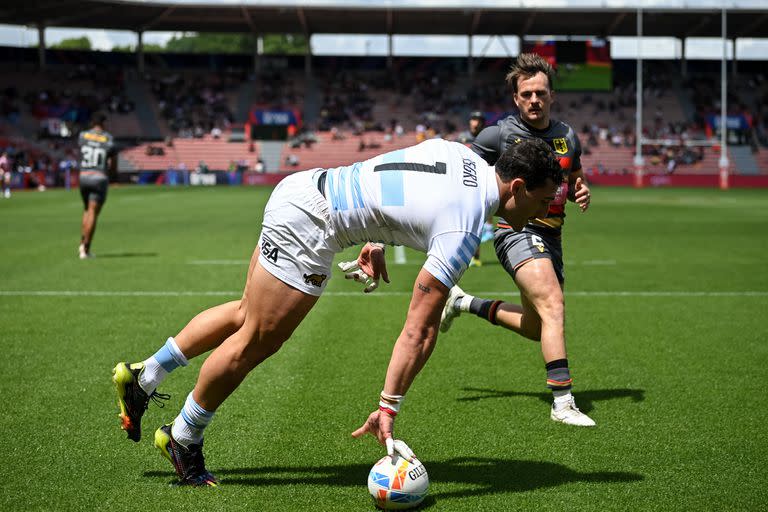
[(73, 43), (282, 44)]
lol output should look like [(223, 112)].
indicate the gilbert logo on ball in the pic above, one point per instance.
[(398, 486)]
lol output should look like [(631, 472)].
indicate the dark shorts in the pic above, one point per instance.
[(516, 248), (93, 187)]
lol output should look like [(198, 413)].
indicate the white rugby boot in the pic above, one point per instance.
[(569, 414), (450, 310)]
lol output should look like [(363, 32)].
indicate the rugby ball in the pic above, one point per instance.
[(398, 486)]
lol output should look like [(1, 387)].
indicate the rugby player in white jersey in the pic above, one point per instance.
[(433, 197)]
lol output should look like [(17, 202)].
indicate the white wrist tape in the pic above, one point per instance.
[(391, 402)]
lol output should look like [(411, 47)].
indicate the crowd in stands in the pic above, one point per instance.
[(194, 104), (747, 100), (62, 102), (348, 102), (32, 168), (376, 101), (276, 91), (10, 104), (416, 100)]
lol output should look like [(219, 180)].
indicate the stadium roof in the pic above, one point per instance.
[(583, 19)]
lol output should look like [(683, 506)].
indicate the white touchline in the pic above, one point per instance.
[(412, 264), (218, 262), (227, 293)]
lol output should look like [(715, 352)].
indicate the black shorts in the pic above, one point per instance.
[(93, 187), (516, 248)]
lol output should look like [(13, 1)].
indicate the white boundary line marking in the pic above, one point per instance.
[(218, 262), (245, 262), (219, 293)]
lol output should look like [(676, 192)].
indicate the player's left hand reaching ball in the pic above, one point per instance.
[(582, 196), (380, 424)]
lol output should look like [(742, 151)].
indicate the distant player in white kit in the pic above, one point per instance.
[(432, 197)]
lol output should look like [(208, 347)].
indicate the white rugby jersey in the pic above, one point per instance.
[(433, 197)]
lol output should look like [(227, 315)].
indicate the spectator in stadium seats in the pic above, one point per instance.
[(292, 160), (533, 255), (259, 166), (291, 266), (421, 132), (183, 173), (5, 174)]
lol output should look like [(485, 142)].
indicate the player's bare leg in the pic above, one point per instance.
[(136, 383), (539, 285), (539, 317), (521, 318), (210, 328), (268, 324), (88, 228), (542, 311)]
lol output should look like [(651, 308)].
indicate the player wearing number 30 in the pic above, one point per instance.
[(96, 146), (432, 197)]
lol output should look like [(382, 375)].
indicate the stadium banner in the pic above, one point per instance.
[(678, 180), (274, 117), (739, 122)]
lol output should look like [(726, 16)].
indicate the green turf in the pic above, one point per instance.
[(672, 378), (584, 77)]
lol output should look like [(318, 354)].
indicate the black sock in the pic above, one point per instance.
[(485, 308)]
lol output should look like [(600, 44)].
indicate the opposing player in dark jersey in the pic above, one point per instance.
[(533, 255), (96, 159), (475, 125)]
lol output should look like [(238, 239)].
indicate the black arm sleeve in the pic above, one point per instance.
[(487, 144), (576, 154)]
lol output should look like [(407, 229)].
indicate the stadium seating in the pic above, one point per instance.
[(331, 153), (355, 99), (217, 154)]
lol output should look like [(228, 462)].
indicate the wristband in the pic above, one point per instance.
[(387, 411), (390, 404), (378, 245)]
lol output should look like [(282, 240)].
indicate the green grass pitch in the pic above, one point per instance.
[(584, 77), (667, 308)]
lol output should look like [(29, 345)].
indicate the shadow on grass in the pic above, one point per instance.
[(476, 476), (584, 399), (127, 255)]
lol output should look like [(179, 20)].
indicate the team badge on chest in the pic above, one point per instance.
[(561, 146)]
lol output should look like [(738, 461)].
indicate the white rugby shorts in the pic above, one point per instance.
[(297, 242)]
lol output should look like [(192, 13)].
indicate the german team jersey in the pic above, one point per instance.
[(432, 197), (492, 141), (95, 148)]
